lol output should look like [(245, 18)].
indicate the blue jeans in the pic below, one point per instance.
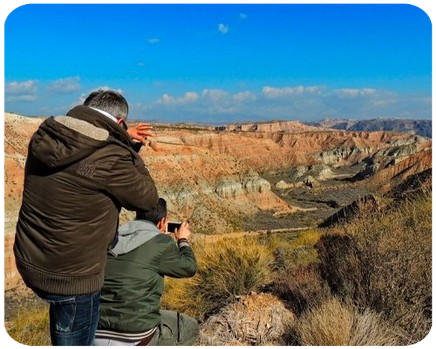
[(73, 319)]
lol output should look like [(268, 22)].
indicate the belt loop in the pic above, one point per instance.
[(178, 327)]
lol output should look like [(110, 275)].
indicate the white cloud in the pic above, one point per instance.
[(279, 92), (354, 92), (188, 97), (18, 88), (14, 91), (153, 40), (245, 96), (20, 98), (215, 95), (304, 103), (223, 28), (66, 85)]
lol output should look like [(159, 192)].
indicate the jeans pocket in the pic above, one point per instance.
[(65, 314)]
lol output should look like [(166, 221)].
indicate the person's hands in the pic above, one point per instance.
[(183, 232), (140, 132)]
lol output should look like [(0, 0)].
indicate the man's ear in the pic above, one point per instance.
[(162, 224), (122, 123)]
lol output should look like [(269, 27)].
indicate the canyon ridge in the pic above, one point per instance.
[(275, 176)]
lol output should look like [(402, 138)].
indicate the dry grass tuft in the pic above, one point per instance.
[(30, 327), (334, 323), (227, 268)]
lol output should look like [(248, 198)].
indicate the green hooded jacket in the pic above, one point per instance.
[(134, 279)]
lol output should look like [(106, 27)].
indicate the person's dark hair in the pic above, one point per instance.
[(154, 215), (109, 101)]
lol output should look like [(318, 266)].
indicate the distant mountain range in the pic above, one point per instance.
[(419, 127)]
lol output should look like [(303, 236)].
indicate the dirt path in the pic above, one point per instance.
[(216, 237)]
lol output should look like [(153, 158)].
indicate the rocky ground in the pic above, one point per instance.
[(19, 299)]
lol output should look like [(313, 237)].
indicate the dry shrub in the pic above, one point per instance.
[(292, 251), (344, 270), (334, 323), (297, 279), (180, 296), (306, 238), (301, 287), (382, 261), (227, 268), (233, 267), (30, 327)]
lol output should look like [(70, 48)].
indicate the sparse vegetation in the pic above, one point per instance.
[(382, 262), (226, 268), (232, 267), (300, 287), (30, 326), (334, 323), (365, 282)]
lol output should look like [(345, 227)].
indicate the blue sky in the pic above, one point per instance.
[(222, 63)]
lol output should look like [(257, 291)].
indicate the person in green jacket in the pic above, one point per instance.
[(134, 283)]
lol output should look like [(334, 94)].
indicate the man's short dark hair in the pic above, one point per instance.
[(109, 101), (156, 214)]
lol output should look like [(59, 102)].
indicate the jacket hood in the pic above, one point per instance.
[(132, 235), (64, 140)]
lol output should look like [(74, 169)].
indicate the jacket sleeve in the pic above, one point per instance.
[(131, 184), (178, 262)]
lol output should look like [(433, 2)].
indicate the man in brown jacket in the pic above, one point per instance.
[(80, 170)]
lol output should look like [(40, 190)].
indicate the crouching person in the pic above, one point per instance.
[(134, 283)]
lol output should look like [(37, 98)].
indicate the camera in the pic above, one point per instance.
[(172, 226)]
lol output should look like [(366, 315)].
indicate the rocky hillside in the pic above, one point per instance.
[(419, 127), (233, 180)]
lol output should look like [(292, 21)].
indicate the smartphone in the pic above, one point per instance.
[(172, 226)]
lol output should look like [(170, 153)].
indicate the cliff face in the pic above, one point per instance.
[(393, 172), (269, 151), (403, 158), (18, 131), (8, 219), (217, 179)]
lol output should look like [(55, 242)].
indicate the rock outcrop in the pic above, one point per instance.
[(348, 212), (403, 158), (255, 319)]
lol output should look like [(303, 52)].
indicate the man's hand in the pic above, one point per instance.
[(183, 232), (140, 132)]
